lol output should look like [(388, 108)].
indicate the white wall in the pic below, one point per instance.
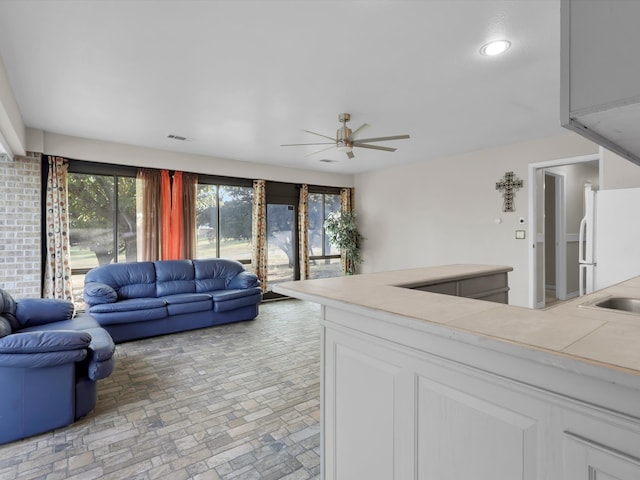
[(108, 152), (444, 211), (617, 172)]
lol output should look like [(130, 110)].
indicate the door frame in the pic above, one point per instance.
[(533, 211)]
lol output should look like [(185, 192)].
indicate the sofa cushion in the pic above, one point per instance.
[(188, 303), (5, 327), (96, 292), (132, 304), (244, 280), (43, 342), (129, 280), (40, 311), (129, 311), (174, 277), (215, 273), (226, 300)]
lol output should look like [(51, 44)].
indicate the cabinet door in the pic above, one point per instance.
[(367, 411), (463, 435), (588, 460)]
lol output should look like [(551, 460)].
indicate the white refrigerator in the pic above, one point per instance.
[(609, 247)]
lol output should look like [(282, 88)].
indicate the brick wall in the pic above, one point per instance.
[(20, 226)]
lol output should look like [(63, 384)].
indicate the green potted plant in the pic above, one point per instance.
[(343, 233)]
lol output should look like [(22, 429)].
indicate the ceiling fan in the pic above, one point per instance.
[(346, 139)]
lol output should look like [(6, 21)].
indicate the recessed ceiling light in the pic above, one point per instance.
[(495, 48)]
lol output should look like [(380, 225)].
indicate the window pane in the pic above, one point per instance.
[(91, 212), (127, 239), (236, 204), (324, 268), (331, 204), (280, 246), (316, 229), (207, 221)]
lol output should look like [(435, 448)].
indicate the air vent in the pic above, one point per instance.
[(176, 137)]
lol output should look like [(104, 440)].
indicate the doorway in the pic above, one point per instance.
[(556, 206), (554, 242)]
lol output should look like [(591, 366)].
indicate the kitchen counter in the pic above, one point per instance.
[(601, 337), (421, 385)]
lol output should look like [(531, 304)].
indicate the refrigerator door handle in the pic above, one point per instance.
[(582, 240), (581, 269)]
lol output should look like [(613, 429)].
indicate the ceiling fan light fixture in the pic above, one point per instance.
[(495, 47)]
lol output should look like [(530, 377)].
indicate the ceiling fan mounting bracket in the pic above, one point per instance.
[(344, 117)]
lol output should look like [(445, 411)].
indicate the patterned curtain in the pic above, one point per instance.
[(57, 273), (148, 214), (303, 231), (189, 193), (346, 205), (259, 232)]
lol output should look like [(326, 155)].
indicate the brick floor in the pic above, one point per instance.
[(238, 401)]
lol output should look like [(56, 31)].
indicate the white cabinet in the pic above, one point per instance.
[(600, 74), (420, 410), (588, 460)]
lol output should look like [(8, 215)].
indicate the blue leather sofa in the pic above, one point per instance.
[(49, 365), (144, 299)]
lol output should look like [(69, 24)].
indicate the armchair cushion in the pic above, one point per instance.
[(8, 309), (44, 342), (5, 327), (40, 360), (39, 311)]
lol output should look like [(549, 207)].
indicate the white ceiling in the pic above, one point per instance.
[(239, 78)]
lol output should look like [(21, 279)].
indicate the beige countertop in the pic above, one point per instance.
[(598, 336)]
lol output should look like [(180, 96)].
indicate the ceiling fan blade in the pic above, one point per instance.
[(383, 139), (320, 135), (318, 151), (357, 132), (301, 144), (374, 147)]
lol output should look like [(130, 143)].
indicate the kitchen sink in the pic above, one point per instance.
[(623, 304)]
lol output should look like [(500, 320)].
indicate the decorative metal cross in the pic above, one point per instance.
[(508, 186)]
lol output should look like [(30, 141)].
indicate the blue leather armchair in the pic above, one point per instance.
[(49, 365)]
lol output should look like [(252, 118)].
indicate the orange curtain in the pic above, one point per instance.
[(165, 214), (175, 229)]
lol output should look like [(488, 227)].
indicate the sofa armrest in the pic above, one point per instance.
[(244, 280), (39, 311), (96, 293), (44, 342)]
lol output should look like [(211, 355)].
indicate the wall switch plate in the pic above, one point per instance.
[(520, 235)]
